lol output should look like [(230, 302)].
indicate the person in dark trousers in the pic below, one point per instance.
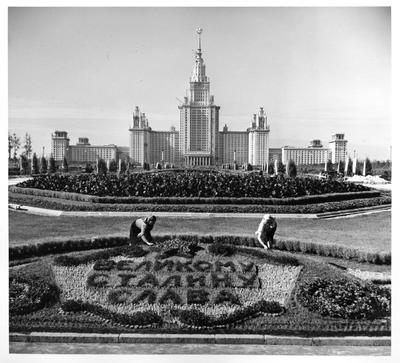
[(266, 230), (140, 231)]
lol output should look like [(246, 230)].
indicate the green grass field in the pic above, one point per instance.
[(369, 232)]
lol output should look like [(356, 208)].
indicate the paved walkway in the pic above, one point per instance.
[(96, 348)]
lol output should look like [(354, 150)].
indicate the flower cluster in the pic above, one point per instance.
[(342, 298), (189, 184), (177, 247), (221, 249)]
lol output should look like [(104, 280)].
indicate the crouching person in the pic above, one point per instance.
[(140, 231), (266, 230)]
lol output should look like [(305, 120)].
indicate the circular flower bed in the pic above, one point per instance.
[(190, 184), (345, 299)]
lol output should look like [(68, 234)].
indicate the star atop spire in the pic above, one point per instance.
[(199, 31)]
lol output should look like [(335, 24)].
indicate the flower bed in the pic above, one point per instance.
[(344, 299), (31, 289), (250, 291), (189, 184), (220, 288)]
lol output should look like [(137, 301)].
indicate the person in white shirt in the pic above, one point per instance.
[(266, 230)]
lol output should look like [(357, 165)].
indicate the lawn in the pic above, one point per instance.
[(368, 232)]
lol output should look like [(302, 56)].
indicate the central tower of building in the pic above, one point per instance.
[(199, 118)]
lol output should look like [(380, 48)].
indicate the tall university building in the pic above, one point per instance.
[(199, 142)]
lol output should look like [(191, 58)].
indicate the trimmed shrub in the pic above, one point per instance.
[(35, 164), (52, 165), (65, 165), (101, 167), (292, 169)]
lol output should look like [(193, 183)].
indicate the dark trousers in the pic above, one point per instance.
[(134, 231)]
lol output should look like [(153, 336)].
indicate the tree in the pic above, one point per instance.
[(292, 170), (52, 165), (281, 167), (123, 166), (341, 167), (113, 166), (35, 164), (271, 170), (16, 143), (43, 165), (368, 167), (27, 145), (65, 165), (88, 168), (24, 163), (101, 167), (350, 168), (329, 166), (10, 146), (358, 169)]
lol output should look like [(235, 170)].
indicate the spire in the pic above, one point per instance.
[(199, 70)]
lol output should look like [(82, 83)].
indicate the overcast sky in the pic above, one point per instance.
[(316, 71)]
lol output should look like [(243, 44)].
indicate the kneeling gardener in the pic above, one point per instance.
[(266, 230), (140, 229)]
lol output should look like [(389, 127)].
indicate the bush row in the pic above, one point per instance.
[(74, 260), (308, 199), (46, 248), (58, 204), (331, 250)]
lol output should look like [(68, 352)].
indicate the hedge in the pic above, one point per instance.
[(47, 248), (59, 204), (308, 199)]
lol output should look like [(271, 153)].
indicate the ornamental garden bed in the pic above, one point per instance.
[(190, 286), (189, 184), (193, 191)]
